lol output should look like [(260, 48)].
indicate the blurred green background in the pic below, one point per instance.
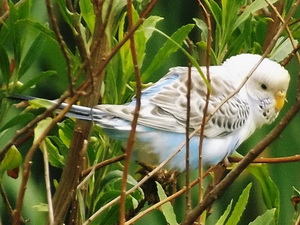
[(176, 13)]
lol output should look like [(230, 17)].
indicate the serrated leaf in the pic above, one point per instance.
[(40, 128), (32, 54), (239, 206), (19, 119), (266, 219), (168, 48), (167, 208), (224, 216), (11, 160)]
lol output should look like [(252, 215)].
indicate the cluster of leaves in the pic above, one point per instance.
[(238, 28)]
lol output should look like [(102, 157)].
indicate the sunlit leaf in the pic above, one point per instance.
[(167, 208), (55, 158), (87, 12), (225, 215), (11, 160), (42, 207), (40, 128), (265, 219), (239, 206), (252, 8), (38, 103)]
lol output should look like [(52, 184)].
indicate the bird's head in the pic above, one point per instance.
[(267, 86)]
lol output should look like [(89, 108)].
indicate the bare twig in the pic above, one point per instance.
[(47, 182), (102, 164), (286, 27), (187, 131), (251, 155), (131, 138), (286, 159), (204, 119), (61, 42)]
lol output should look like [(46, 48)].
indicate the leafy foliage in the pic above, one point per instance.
[(29, 59)]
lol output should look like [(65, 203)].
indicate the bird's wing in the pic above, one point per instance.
[(164, 105)]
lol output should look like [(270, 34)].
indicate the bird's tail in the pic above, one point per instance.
[(76, 111)]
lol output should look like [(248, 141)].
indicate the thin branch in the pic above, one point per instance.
[(205, 110), (169, 198), (28, 158), (286, 27), (132, 133), (286, 159), (47, 182), (290, 56), (61, 42), (142, 181), (31, 124), (102, 164), (252, 154), (187, 131), (232, 175)]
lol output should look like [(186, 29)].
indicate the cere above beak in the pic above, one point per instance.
[(279, 98)]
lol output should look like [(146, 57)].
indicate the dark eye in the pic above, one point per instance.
[(263, 86)]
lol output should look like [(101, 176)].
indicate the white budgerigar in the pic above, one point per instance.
[(162, 119)]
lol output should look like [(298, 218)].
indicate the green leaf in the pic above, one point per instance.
[(43, 29), (116, 176), (266, 219), (11, 160), (19, 119), (167, 208), (168, 48), (38, 103), (225, 215), (55, 158), (240, 206), (151, 21), (203, 27), (269, 189), (40, 128), (68, 16), (282, 49), (32, 54), (66, 131), (4, 65), (87, 12), (250, 9), (42, 207), (33, 81)]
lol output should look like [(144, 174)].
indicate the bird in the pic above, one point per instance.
[(161, 127)]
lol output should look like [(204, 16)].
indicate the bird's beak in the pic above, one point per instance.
[(279, 98)]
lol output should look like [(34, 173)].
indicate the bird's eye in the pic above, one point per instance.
[(263, 86)]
